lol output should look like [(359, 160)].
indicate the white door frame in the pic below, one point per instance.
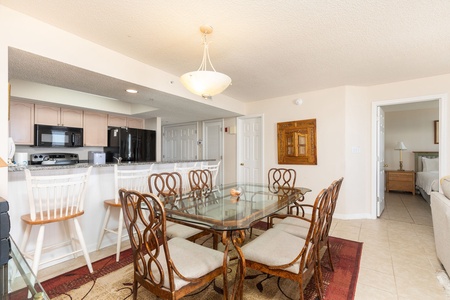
[(239, 146), (443, 169), (380, 160)]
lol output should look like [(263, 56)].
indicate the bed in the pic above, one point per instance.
[(427, 172)]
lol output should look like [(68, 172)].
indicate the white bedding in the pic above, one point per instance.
[(428, 181)]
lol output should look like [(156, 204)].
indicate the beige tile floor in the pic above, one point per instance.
[(398, 259)]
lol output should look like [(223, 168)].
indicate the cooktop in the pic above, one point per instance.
[(49, 159)]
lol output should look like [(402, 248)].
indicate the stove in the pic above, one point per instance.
[(51, 159)]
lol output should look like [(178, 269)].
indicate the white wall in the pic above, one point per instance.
[(357, 185), (415, 128), (328, 108), (344, 134)]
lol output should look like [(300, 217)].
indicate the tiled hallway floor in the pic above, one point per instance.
[(398, 259)]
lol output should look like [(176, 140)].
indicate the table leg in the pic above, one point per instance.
[(237, 237)]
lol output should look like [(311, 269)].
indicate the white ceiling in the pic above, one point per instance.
[(269, 48)]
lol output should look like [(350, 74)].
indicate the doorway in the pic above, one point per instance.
[(378, 146)]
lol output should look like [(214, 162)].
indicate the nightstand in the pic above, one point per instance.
[(404, 181)]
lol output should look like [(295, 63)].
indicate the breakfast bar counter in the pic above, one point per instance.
[(100, 188)]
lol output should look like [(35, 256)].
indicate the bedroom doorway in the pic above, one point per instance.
[(384, 157)]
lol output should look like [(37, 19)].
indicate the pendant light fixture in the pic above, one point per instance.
[(203, 82)]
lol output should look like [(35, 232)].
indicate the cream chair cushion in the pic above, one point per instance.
[(181, 231), (445, 184), (192, 260), (273, 248), (294, 226)]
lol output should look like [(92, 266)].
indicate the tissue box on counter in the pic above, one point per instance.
[(96, 158)]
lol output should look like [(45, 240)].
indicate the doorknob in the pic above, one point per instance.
[(242, 164)]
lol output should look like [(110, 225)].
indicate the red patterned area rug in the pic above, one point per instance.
[(112, 280), (81, 276)]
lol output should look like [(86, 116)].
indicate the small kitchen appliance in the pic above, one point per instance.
[(57, 136), (96, 158)]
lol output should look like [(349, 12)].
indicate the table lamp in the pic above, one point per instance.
[(400, 146)]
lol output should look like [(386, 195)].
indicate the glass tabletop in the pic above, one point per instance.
[(233, 206)]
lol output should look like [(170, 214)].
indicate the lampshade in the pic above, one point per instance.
[(203, 82), (400, 146)]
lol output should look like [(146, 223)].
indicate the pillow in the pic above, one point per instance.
[(430, 164), (445, 184)]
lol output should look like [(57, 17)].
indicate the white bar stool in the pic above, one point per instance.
[(136, 180), (55, 199)]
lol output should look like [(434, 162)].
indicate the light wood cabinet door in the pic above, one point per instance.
[(117, 121), (135, 123), (47, 115), (57, 116), (95, 129), (71, 117), (21, 123)]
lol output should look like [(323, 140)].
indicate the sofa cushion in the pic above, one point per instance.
[(445, 185)]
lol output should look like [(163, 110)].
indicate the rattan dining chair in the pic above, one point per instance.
[(281, 254), (128, 179), (279, 179), (56, 199), (214, 169), (298, 226), (184, 173), (168, 268), (168, 186), (201, 184)]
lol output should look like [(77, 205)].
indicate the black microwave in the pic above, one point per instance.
[(57, 136)]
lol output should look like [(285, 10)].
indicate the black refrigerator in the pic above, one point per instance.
[(130, 144)]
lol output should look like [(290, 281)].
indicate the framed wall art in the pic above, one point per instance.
[(297, 142), (436, 132)]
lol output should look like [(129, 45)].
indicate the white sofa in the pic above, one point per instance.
[(440, 210)]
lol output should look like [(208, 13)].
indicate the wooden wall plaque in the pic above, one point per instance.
[(297, 142)]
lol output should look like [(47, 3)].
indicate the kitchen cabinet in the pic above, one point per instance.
[(117, 121), (58, 116), (135, 123), (22, 122), (121, 121), (95, 129)]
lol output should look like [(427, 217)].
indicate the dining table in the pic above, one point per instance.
[(230, 211)]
